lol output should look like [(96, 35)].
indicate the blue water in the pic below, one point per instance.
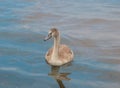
[(90, 27)]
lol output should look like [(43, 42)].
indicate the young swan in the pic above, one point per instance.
[(60, 54)]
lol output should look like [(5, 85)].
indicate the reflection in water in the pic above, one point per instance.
[(58, 76)]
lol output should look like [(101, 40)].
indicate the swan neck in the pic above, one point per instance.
[(56, 46)]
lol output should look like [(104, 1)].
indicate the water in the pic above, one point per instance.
[(90, 27)]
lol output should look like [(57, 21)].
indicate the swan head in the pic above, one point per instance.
[(53, 33)]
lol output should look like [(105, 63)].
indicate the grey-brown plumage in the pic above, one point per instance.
[(59, 54)]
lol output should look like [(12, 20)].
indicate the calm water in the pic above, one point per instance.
[(90, 27)]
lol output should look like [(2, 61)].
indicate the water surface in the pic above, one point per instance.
[(90, 27)]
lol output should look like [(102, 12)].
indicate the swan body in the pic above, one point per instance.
[(59, 54)]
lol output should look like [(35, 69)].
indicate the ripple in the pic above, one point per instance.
[(20, 71)]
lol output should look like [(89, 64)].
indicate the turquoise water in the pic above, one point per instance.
[(90, 27)]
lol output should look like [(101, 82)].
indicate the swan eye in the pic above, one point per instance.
[(51, 33)]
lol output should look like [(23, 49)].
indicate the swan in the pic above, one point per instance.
[(59, 54)]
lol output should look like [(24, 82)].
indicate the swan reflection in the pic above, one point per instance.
[(59, 76)]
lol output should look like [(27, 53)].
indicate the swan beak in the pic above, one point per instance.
[(48, 37)]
